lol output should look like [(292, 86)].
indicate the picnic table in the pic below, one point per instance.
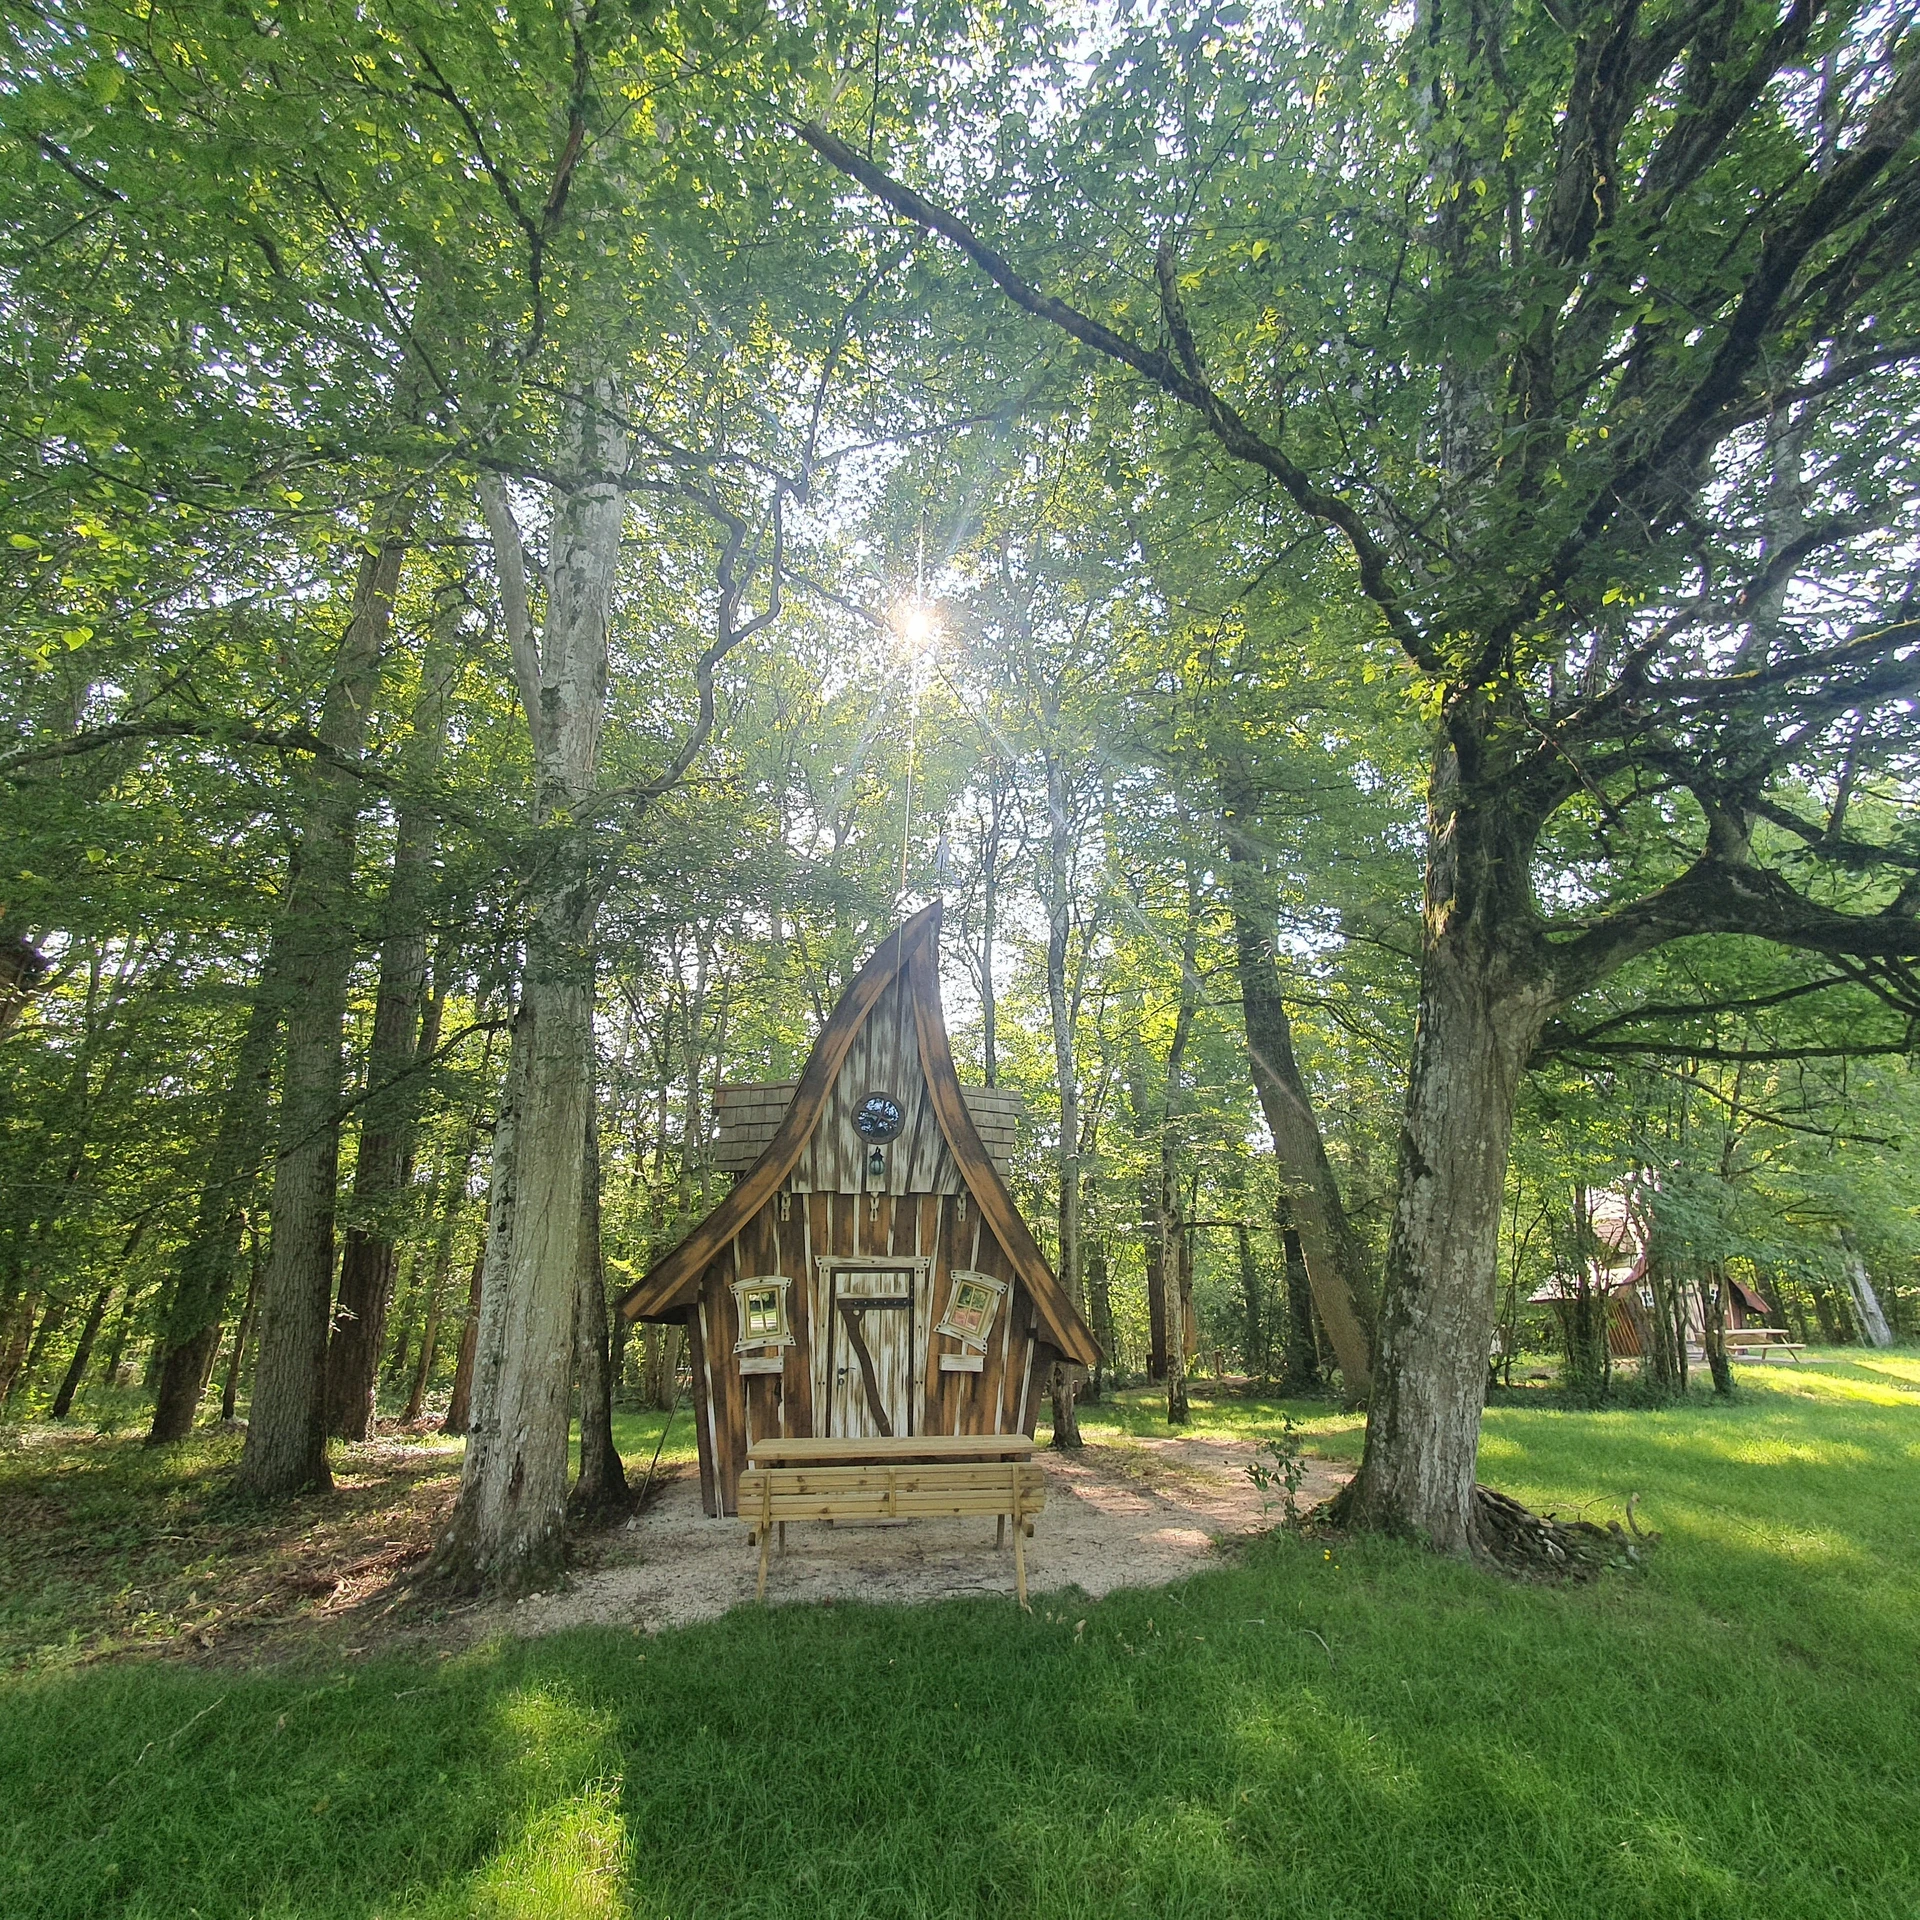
[(1763, 1341), (906, 1477)]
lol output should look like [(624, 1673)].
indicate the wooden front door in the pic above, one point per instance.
[(872, 1352)]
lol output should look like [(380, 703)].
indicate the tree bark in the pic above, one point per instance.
[(1479, 1016), (1100, 1300), (507, 1524), (1154, 1251), (506, 1528), (383, 1168), (1866, 1303), (190, 1334), (1254, 1348), (601, 1488), (77, 1367), (117, 1340), (437, 1272), (660, 1366), (22, 968), (405, 1031), (16, 1337), (1176, 1258), (1336, 1260), (460, 1396), (1303, 1350), (51, 1322), (286, 1449), (243, 1330), (1063, 1378), (490, 1268)]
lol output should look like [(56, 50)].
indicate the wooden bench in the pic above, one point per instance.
[(938, 1474)]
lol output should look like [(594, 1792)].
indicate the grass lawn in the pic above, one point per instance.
[(1364, 1731)]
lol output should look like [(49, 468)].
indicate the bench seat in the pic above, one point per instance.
[(771, 1496)]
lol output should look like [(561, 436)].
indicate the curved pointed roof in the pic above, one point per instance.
[(912, 951)]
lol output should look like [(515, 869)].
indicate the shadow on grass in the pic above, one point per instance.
[(1310, 1731)]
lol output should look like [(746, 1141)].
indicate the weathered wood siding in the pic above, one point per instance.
[(930, 1235), (884, 1059)]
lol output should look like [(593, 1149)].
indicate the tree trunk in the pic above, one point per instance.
[(506, 1529), (1100, 1300), (1254, 1347), (1477, 1025), (660, 1366), (1155, 1251), (51, 1322), (1713, 1328), (507, 1524), (601, 1488), (385, 1160), (1666, 1363), (406, 1294), (1181, 1343), (22, 968), (77, 1367), (1336, 1261), (190, 1333), (1063, 1378), (1303, 1350), (1866, 1303), (16, 1337), (90, 1332), (405, 1032), (286, 1449), (243, 1332), (437, 1272), (460, 1396), (422, 1367), (122, 1333)]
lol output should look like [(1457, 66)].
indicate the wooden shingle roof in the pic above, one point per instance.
[(910, 953), (749, 1115)]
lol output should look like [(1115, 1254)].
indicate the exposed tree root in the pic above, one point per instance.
[(1537, 1546), (1529, 1546)]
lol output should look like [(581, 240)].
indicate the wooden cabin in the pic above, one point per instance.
[(869, 1275)]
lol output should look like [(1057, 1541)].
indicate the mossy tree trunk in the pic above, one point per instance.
[(286, 1449)]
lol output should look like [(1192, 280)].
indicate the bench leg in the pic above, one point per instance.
[(783, 1539), (1020, 1564), (1000, 1531), (766, 1542)]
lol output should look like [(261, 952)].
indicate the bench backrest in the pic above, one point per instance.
[(859, 1493)]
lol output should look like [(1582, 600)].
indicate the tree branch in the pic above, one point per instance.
[(1177, 382), (510, 565), (68, 165), (1718, 896)]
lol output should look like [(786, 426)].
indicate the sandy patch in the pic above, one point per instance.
[(1138, 1513)]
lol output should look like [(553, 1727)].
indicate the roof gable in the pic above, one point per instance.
[(911, 954)]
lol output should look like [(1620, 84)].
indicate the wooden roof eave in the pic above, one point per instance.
[(1059, 1318), (669, 1286)]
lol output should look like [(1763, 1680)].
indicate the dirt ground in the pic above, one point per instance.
[(109, 1549), (1135, 1514)]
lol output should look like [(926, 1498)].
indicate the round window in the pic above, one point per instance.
[(878, 1117)]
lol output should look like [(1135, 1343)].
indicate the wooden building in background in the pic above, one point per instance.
[(869, 1276)]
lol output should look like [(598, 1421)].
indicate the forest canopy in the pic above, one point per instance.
[(1367, 554)]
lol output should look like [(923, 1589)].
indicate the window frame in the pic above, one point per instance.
[(777, 1284), (993, 1287)]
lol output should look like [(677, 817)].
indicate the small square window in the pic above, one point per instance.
[(971, 1310), (760, 1302), (972, 1301)]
